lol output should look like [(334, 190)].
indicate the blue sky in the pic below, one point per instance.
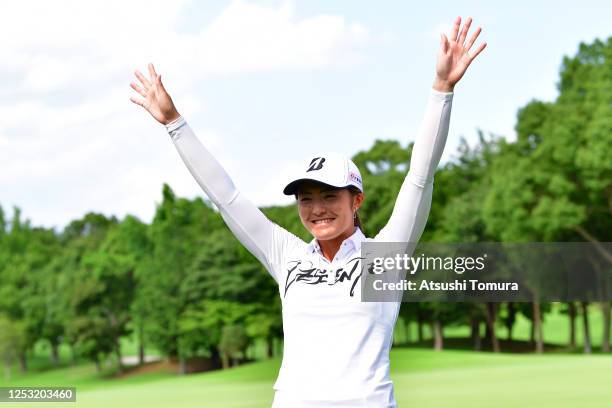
[(259, 81)]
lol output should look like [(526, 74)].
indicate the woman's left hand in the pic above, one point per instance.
[(454, 57)]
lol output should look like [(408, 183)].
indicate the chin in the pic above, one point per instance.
[(324, 236), (326, 232)]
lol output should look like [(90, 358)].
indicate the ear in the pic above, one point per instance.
[(358, 200)]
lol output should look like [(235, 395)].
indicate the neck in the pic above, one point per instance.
[(330, 247)]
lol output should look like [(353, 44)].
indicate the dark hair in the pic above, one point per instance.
[(354, 191)]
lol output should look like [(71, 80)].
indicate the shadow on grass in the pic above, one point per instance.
[(506, 346)]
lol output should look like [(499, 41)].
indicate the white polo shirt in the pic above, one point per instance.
[(336, 348)]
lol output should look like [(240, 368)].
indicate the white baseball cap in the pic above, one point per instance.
[(329, 168)]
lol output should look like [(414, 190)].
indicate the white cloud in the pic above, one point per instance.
[(79, 44), (70, 140), (247, 37)]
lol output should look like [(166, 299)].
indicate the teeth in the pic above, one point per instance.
[(324, 221)]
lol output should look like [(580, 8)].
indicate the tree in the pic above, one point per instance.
[(201, 328), (177, 233), (25, 253), (2, 222), (233, 344), (383, 169), (12, 341), (92, 288), (553, 183), (457, 217), (122, 257)]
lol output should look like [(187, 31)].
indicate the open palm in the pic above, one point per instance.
[(454, 56), (154, 99)]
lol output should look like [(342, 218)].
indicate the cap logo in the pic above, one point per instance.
[(354, 177), (316, 164)]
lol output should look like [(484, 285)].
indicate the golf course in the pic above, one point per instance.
[(401, 205), (422, 377)]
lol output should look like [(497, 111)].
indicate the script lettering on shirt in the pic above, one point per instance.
[(300, 271)]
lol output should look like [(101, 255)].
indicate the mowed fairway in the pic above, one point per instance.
[(423, 378)]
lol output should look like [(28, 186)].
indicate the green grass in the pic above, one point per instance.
[(423, 378), (464, 379)]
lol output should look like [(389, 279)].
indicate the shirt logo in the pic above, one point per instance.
[(304, 272), (316, 164)]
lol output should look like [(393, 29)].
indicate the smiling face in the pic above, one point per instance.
[(327, 212)]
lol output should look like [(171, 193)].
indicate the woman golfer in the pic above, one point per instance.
[(336, 348)]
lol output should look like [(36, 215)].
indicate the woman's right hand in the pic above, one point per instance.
[(155, 99)]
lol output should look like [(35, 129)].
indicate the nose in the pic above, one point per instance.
[(318, 207)]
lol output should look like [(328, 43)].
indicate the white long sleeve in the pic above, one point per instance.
[(413, 202), (263, 238)]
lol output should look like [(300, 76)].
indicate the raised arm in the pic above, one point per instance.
[(254, 230), (413, 203)]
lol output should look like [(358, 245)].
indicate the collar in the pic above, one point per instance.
[(354, 241)]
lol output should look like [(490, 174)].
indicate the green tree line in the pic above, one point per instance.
[(184, 285)]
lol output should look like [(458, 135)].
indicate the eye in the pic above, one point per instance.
[(330, 196)]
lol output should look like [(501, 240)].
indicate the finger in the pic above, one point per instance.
[(161, 85), (145, 82), (473, 39), (443, 43), (464, 31), (152, 72), (138, 89), (453, 35), (138, 101), (478, 51)]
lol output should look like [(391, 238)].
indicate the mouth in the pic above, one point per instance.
[(323, 221)]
